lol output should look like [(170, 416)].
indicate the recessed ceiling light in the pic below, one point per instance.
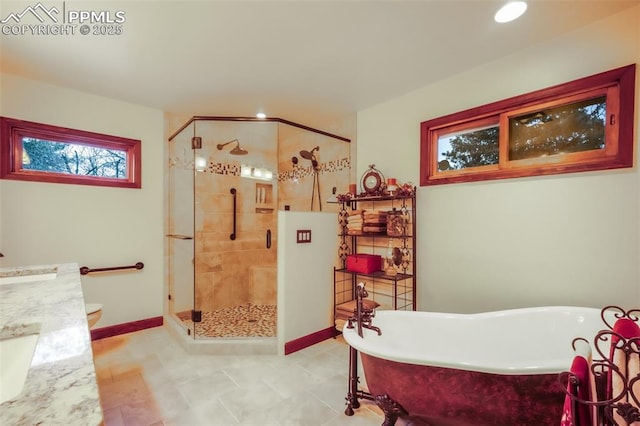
[(510, 11), (261, 115)]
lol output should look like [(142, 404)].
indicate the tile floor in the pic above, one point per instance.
[(146, 379)]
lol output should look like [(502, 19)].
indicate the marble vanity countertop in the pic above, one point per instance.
[(61, 386)]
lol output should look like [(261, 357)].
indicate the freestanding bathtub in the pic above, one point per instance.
[(489, 369)]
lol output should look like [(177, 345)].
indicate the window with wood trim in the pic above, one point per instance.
[(583, 125), (41, 152)]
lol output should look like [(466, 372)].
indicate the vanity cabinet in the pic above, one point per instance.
[(388, 230)]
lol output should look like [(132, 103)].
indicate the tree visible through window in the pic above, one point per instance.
[(569, 128), (582, 125), (33, 151), (73, 159), (471, 149)]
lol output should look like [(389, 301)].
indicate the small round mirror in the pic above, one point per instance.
[(396, 256)]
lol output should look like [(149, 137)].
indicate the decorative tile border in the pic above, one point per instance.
[(297, 172)]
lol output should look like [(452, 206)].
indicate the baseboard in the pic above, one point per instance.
[(309, 340), (128, 327)]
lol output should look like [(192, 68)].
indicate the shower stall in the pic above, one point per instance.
[(227, 180)]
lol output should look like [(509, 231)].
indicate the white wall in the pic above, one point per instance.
[(305, 274), (43, 223), (567, 239)]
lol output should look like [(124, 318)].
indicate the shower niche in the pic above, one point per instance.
[(264, 198), (228, 176)]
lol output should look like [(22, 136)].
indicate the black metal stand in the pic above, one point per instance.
[(354, 393), (363, 317)]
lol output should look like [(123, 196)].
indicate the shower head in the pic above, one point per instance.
[(237, 150), (309, 155)]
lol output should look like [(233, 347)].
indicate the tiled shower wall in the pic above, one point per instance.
[(296, 181), (235, 272)]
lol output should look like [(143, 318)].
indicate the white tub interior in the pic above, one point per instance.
[(518, 341)]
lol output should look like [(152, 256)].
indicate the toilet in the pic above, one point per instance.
[(94, 312)]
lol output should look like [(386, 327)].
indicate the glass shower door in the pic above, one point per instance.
[(236, 230), (180, 230)]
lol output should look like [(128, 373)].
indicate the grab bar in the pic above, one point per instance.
[(233, 234), (84, 270)]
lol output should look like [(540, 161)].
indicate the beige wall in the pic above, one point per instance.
[(43, 223), (305, 274), (567, 239)]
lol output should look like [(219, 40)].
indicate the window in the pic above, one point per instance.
[(582, 125), (40, 152)]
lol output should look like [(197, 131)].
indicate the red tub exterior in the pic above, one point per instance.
[(451, 397)]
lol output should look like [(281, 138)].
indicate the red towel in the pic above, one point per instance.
[(582, 414)]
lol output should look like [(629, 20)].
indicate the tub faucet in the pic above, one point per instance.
[(364, 316)]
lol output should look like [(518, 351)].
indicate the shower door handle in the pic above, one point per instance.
[(233, 234), (268, 238)]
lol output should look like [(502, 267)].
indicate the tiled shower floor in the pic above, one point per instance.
[(237, 321)]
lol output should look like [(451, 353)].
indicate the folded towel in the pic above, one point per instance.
[(367, 228), (367, 216), (376, 222), (351, 306), (374, 217)]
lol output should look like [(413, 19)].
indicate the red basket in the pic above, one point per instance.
[(364, 263)]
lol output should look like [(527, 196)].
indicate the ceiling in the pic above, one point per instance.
[(304, 61)]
